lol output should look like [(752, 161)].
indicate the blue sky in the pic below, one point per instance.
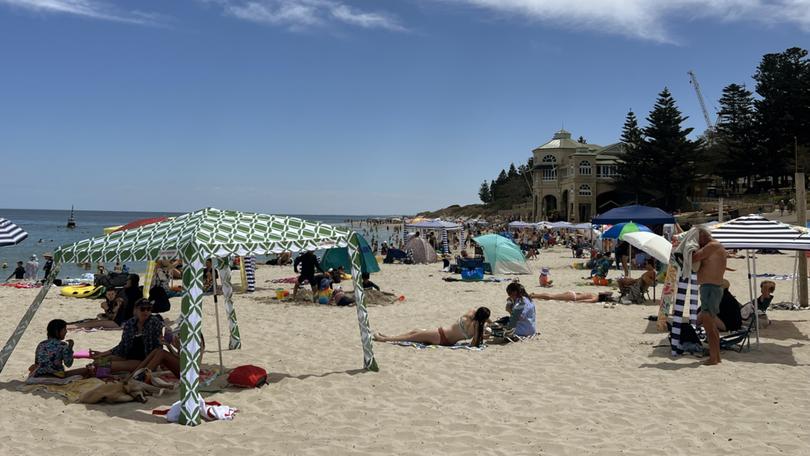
[(341, 106)]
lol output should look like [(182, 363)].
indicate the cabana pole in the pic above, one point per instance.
[(216, 312), (754, 290), (8, 349)]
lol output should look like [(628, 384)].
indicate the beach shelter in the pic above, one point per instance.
[(618, 230), (339, 256), (650, 243), (10, 233), (519, 225), (754, 232), (195, 237), (421, 250), (503, 255), (640, 214), (436, 225)]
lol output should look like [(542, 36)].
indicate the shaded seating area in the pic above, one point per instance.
[(207, 234)]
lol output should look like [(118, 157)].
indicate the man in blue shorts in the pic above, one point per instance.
[(712, 257)]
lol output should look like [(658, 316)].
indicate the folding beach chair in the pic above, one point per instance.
[(739, 339)]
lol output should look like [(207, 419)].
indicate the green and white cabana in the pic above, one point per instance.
[(195, 237)]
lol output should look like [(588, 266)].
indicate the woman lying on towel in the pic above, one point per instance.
[(469, 326), (573, 296)]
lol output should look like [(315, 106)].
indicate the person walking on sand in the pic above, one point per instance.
[(712, 256)]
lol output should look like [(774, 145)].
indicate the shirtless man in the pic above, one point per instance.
[(712, 256)]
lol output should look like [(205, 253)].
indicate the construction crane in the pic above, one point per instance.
[(694, 81)]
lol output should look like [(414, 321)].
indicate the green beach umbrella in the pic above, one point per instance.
[(618, 230)]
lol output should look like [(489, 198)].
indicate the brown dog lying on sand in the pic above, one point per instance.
[(117, 392)]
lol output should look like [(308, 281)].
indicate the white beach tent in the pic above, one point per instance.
[(753, 232)]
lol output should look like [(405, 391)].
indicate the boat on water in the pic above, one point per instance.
[(71, 223)]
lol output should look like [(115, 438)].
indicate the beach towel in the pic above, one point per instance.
[(421, 346), (775, 276), (212, 411), (485, 279), (285, 280), (52, 380), (684, 250), (90, 330), (71, 391)]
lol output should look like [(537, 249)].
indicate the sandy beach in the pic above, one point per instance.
[(592, 381)]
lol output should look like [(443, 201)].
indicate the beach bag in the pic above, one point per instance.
[(159, 299), (248, 376)]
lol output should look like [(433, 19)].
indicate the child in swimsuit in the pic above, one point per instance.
[(54, 353)]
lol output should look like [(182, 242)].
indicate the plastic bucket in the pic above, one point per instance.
[(279, 293)]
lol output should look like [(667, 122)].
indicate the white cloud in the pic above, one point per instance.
[(92, 9), (300, 14), (647, 19)]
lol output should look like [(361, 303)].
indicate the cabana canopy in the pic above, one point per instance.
[(434, 225), (195, 237), (518, 225), (637, 213)]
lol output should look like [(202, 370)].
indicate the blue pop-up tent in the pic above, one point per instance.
[(636, 213), (339, 256)]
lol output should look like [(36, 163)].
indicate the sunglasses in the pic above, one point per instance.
[(145, 308)]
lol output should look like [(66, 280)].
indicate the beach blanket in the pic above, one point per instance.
[(421, 346), (71, 391), (285, 280), (485, 279), (22, 285), (52, 380), (775, 276), (90, 330)]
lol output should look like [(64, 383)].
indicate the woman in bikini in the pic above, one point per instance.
[(469, 326)]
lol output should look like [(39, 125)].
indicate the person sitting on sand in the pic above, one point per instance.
[(168, 358), (54, 353), (573, 296), (767, 287), (367, 283), (522, 312), (141, 335), (115, 308), (634, 289), (469, 326)]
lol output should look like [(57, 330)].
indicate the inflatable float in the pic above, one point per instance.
[(82, 291)]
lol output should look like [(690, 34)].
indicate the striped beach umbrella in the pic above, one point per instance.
[(445, 247), (757, 232), (10, 233)]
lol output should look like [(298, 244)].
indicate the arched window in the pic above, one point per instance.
[(585, 190), (585, 168), (549, 167)]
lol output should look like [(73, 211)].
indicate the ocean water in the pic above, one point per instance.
[(47, 231)]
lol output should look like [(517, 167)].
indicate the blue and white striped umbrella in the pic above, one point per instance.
[(10, 233)]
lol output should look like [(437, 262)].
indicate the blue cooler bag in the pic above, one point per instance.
[(472, 274)]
